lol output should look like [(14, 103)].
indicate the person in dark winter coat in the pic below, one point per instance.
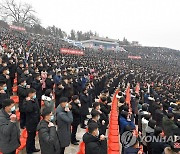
[(57, 78), (20, 71), (169, 125), (158, 147), (149, 132), (67, 87), (84, 99), (37, 85), (3, 94), (5, 77), (22, 93), (105, 108), (94, 144), (9, 128), (58, 93), (132, 149), (49, 82), (159, 115), (103, 118), (48, 137), (95, 119), (12, 70), (32, 110), (124, 121), (76, 104), (64, 120), (27, 76)]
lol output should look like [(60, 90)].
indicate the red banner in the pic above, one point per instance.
[(17, 28), (71, 51), (134, 57)]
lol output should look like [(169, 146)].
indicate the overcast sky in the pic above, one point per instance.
[(151, 22)]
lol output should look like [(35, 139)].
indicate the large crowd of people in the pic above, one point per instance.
[(70, 85)]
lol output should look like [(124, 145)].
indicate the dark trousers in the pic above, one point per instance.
[(30, 143), (73, 134), (103, 130), (39, 101), (22, 119), (83, 118), (62, 150), (14, 152)]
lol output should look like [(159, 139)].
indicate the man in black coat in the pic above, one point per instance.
[(94, 144), (12, 70), (49, 82), (58, 93), (95, 119), (22, 93), (159, 115), (20, 70), (159, 146), (84, 99), (5, 77), (103, 118), (48, 137), (105, 108), (76, 118), (3, 94), (9, 128), (27, 76), (68, 87), (32, 110), (37, 85)]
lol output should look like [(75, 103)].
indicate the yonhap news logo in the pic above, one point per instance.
[(128, 139)]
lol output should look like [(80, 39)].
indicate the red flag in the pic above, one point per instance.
[(128, 96), (137, 88)]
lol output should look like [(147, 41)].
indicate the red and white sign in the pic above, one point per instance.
[(17, 28), (71, 51), (134, 57)]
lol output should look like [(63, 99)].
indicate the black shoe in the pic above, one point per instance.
[(36, 150), (83, 127), (75, 143), (77, 140)]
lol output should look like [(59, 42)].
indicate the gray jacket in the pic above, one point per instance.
[(48, 138), (9, 133), (64, 120)]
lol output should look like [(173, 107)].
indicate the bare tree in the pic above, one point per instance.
[(21, 14)]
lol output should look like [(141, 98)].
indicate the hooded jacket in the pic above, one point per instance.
[(93, 145)]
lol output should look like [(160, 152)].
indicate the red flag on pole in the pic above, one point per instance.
[(128, 96), (137, 88)]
